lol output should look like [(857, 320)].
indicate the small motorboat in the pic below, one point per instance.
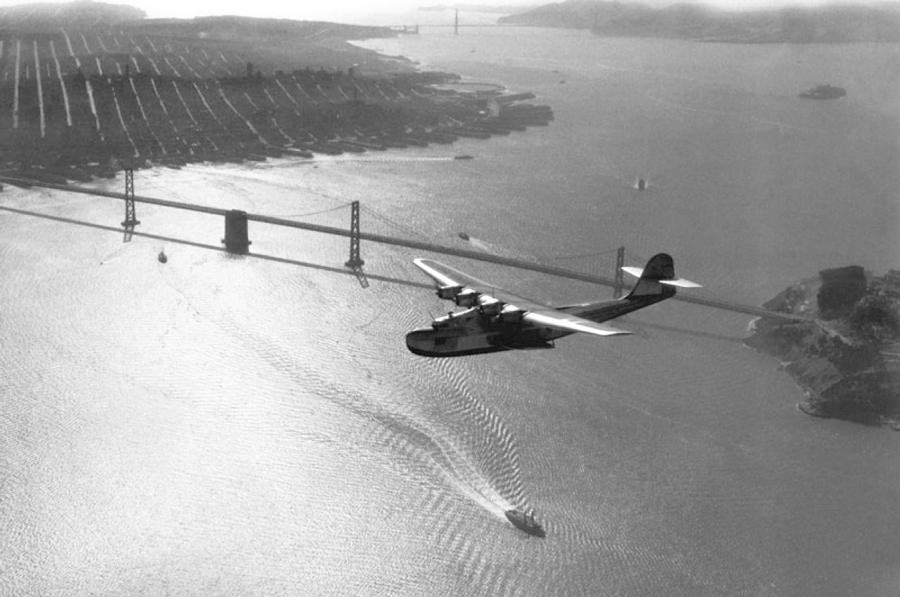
[(162, 257), (463, 236), (525, 522), (464, 157)]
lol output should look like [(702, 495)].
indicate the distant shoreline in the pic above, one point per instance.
[(833, 24), (227, 89)]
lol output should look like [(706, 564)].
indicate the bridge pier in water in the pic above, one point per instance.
[(236, 238)]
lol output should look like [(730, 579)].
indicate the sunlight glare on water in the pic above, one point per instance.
[(222, 425)]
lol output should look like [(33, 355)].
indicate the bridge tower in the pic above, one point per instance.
[(130, 219), (355, 260), (620, 278)]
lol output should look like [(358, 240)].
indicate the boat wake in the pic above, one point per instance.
[(491, 248), (440, 426), (418, 417)]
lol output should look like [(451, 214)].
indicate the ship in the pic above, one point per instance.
[(525, 522), (824, 92)]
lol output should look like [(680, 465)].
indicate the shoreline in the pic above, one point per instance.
[(95, 116), (837, 357)]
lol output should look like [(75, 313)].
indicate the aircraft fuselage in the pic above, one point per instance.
[(474, 332)]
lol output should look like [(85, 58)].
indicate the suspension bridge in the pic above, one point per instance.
[(236, 240)]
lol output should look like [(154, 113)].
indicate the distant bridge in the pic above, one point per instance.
[(240, 242)]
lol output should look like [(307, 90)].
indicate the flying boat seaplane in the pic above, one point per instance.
[(494, 319)]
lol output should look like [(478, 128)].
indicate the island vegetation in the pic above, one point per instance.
[(833, 23), (87, 88), (847, 356)]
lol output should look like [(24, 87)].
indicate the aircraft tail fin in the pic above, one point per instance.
[(657, 278)]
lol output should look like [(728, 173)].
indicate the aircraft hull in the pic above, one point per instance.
[(451, 343)]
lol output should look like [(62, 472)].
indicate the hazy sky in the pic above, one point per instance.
[(325, 9)]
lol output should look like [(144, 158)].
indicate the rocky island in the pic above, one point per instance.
[(824, 92), (87, 87), (847, 356)]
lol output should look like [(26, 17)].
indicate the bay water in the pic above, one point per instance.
[(221, 425)]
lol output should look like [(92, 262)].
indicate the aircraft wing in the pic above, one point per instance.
[(637, 272), (444, 275), (572, 323), (535, 313)]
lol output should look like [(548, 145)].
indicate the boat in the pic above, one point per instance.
[(463, 236), (162, 257), (463, 157), (824, 92), (525, 522), (641, 184)]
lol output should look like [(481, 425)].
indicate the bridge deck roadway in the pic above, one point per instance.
[(412, 244)]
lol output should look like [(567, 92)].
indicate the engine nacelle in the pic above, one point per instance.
[(511, 315), (490, 306), (448, 292), (467, 298)]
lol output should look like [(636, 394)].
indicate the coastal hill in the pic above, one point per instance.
[(87, 87), (825, 24), (847, 357), (485, 8)]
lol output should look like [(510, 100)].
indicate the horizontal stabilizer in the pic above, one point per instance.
[(638, 272), (681, 282)]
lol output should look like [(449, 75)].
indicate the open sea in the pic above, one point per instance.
[(222, 425)]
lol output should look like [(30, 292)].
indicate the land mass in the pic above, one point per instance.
[(824, 92), (87, 88), (824, 24), (847, 357)]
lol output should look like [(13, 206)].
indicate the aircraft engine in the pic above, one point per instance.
[(511, 315), (448, 292), (490, 306), (466, 298)]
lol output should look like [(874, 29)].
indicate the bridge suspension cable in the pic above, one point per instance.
[(354, 233)]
